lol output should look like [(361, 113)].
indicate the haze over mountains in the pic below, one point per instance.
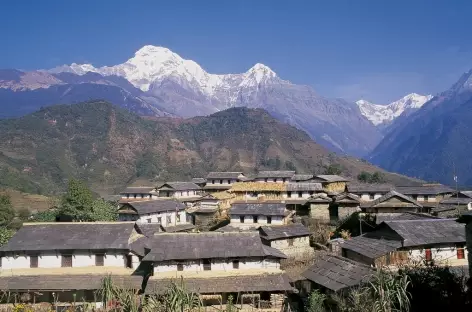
[(157, 82), (418, 135)]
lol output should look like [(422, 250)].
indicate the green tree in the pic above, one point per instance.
[(45, 216), (377, 177), (77, 202), (5, 235), (6, 210), (364, 177), (103, 210), (315, 302), (333, 169)]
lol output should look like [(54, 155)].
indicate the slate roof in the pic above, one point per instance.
[(337, 273), (180, 186), (390, 195), (332, 178), (230, 228), (258, 208), (179, 228), (382, 217), (223, 175), (66, 282), (217, 187), (138, 190), (319, 198), (362, 188), (199, 180), (464, 198), (428, 231), (283, 231), (275, 174), (71, 236), (424, 189), (302, 177), (148, 229), (370, 247), (206, 245), (347, 198), (234, 284), (304, 186), (154, 206)]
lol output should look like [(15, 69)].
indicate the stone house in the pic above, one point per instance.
[(180, 190), (344, 205), (320, 208), (70, 259), (368, 192), (139, 192), (466, 218), (392, 202), (217, 265), (334, 274), (331, 183), (302, 190), (427, 193), (274, 176), (332, 209), (205, 211), (167, 212), (220, 181), (393, 243), (460, 201), (292, 239), (250, 214)]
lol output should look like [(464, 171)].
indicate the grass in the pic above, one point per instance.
[(31, 202)]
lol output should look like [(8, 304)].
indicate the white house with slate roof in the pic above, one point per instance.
[(217, 265), (274, 176), (250, 214), (139, 192), (167, 212), (219, 181), (75, 244), (410, 241), (179, 190)]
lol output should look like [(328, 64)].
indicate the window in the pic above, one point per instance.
[(241, 219), (460, 253), (180, 266), (283, 179), (128, 259), (178, 217), (300, 194), (289, 194), (221, 181), (311, 193), (169, 219), (266, 180), (99, 260), (149, 220), (371, 196), (66, 261), (159, 219), (275, 180), (212, 181), (426, 198), (229, 181), (427, 255), (235, 264), (269, 220), (206, 265), (33, 261), (254, 219), (290, 241)]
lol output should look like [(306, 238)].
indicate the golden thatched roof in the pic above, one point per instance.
[(222, 195), (257, 187)]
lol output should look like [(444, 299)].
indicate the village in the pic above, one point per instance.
[(255, 241)]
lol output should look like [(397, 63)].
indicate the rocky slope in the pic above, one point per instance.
[(434, 141), (184, 88), (110, 147)]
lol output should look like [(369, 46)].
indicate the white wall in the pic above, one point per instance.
[(438, 254), (295, 195), (219, 182), (154, 218), (277, 180), (51, 259), (179, 194), (366, 196), (249, 221), (218, 265), (138, 195)]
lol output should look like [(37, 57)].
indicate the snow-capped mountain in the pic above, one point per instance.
[(385, 114), (182, 87)]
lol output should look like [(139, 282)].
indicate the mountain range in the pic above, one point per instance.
[(385, 115), (158, 82), (434, 142), (109, 147)]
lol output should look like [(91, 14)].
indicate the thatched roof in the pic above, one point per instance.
[(222, 195), (257, 187)]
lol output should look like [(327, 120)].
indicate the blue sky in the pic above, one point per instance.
[(379, 50)]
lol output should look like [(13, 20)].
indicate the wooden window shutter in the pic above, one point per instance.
[(99, 260), (33, 261), (460, 253), (66, 261), (428, 255)]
